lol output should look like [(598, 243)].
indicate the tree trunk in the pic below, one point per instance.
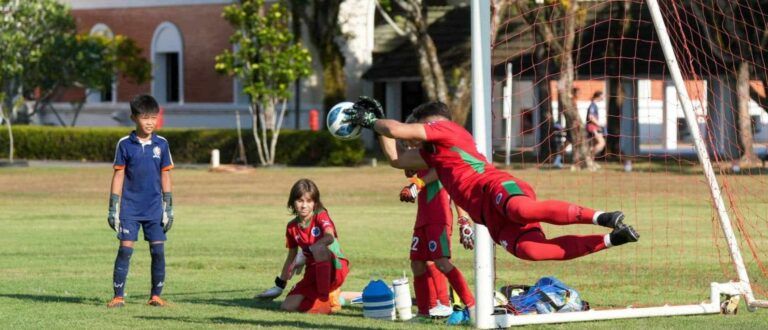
[(255, 131), (565, 88), (745, 120)]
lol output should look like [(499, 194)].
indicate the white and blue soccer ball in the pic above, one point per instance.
[(336, 122)]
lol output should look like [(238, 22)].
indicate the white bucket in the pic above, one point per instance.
[(402, 298)]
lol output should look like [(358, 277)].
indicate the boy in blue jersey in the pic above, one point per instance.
[(141, 191)]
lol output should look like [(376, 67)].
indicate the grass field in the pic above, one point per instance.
[(57, 253)]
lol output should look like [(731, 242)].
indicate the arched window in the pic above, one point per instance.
[(168, 64), (108, 94)]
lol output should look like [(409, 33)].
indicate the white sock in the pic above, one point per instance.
[(594, 217), (607, 240)]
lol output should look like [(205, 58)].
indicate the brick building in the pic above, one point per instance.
[(181, 39)]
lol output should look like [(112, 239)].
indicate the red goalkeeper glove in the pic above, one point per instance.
[(467, 233), (409, 193)]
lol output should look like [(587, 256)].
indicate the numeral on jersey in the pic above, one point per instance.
[(415, 243)]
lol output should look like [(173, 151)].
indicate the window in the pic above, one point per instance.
[(168, 64)]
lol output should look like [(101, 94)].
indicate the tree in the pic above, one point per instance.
[(734, 40), (456, 92), (267, 61), (42, 54), (555, 24), (322, 20), (27, 30), (88, 62)]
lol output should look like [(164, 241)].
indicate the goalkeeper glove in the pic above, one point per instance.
[(467, 233), (274, 291), (113, 217), (410, 192), (167, 211), (365, 112)]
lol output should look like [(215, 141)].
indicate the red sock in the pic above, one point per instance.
[(523, 209), (421, 288), (536, 247), (460, 285), (323, 278), (440, 285)]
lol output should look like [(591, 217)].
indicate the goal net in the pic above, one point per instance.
[(553, 60)]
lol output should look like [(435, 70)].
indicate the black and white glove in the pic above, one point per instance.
[(167, 211), (274, 291), (365, 112), (113, 217)]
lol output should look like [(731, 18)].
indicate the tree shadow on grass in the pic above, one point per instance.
[(253, 323), (178, 294), (235, 302), (44, 298)]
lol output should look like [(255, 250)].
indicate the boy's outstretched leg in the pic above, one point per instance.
[(534, 246), (524, 210), (157, 251)]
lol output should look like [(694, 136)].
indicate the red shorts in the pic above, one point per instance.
[(431, 242), (307, 287), (500, 190), (505, 230), (593, 128), (509, 235)]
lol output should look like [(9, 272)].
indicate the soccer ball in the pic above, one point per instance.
[(336, 125)]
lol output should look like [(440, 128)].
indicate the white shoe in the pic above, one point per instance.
[(440, 310)]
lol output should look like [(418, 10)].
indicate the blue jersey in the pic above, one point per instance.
[(592, 111), (143, 163)]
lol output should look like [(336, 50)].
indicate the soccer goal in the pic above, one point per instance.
[(674, 93)]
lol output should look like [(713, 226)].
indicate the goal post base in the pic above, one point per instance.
[(711, 307)]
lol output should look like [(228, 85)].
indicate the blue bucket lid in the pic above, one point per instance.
[(377, 291)]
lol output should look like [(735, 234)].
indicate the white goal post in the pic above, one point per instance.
[(484, 251)]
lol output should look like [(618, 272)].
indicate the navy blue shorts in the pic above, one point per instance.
[(129, 230)]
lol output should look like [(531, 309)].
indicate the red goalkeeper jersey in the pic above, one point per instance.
[(434, 204), (463, 171), (296, 236)]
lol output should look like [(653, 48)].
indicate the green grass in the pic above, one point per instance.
[(57, 253)]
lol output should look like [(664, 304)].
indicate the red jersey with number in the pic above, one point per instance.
[(463, 171), (304, 237), (434, 204)]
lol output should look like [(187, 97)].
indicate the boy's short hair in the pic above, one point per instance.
[(433, 108), (144, 104), (597, 94)]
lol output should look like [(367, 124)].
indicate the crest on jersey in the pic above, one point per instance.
[(432, 246), (498, 198), (156, 152), (316, 231)]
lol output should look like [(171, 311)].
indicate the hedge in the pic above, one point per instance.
[(305, 148)]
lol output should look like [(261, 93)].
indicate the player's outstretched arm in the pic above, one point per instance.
[(403, 159), (401, 131)]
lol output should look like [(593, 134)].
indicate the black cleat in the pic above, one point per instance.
[(611, 219), (623, 234)]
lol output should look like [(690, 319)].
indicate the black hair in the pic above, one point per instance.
[(433, 108), (144, 104), (300, 188), (597, 94)]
